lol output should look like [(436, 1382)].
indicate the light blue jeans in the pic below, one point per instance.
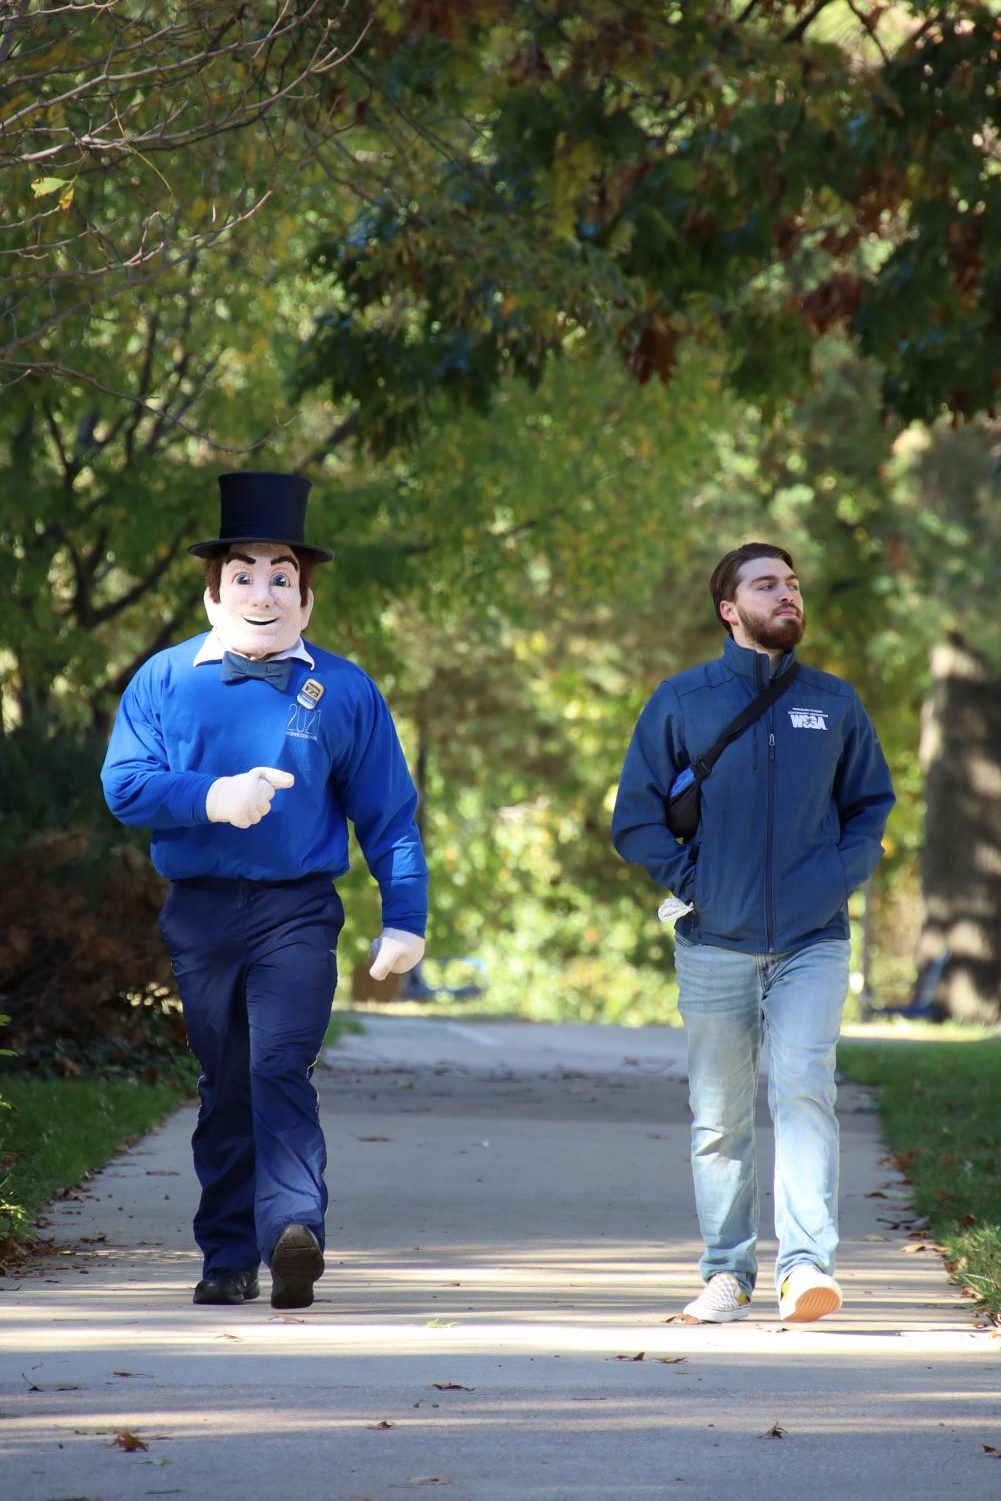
[(729, 1002)]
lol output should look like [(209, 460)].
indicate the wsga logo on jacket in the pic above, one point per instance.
[(808, 719)]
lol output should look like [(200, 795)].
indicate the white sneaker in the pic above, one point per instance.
[(807, 1294), (721, 1301)]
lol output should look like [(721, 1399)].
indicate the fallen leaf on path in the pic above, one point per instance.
[(671, 1359), (877, 1193), (451, 1386), (382, 1424), (916, 1245), (440, 1324), (640, 1356), (775, 1431), (129, 1441)]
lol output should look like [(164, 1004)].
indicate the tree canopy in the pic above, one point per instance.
[(641, 176)]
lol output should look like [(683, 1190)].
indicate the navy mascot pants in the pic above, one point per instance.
[(256, 968)]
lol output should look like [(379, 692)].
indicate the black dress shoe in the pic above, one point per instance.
[(296, 1263), (225, 1286)]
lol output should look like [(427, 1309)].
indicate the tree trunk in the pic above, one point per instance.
[(961, 760)]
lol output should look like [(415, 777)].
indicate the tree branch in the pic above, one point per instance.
[(799, 31), (163, 637), (142, 586)]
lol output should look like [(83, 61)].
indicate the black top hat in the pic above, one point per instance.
[(261, 507)]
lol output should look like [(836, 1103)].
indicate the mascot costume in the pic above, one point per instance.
[(247, 750)]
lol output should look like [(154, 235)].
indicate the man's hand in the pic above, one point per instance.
[(245, 799), (394, 952)]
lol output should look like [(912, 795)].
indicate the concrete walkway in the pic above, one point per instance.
[(510, 1239)]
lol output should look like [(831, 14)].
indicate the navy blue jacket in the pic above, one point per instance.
[(792, 815)]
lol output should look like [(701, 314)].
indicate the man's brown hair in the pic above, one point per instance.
[(723, 584), (213, 572)]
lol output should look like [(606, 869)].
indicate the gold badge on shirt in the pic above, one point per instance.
[(310, 693)]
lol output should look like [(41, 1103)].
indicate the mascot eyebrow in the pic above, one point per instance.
[(244, 557)]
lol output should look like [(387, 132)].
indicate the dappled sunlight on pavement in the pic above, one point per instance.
[(508, 1256)]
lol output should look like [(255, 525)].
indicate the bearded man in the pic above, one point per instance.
[(790, 822), (247, 751)]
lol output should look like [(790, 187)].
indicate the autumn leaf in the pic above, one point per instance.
[(43, 186), (129, 1441)]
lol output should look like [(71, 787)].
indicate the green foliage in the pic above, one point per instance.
[(642, 180), (939, 1105), (569, 537), (136, 139), (82, 970), (667, 224)]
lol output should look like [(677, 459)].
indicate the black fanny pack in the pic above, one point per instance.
[(683, 804)]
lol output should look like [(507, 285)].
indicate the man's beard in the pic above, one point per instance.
[(777, 634)]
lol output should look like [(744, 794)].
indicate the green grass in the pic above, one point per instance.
[(940, 1104), (53, 1131), (341, 1022)]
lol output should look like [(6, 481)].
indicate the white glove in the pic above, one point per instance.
[(394, 952), (673, 907), (245, 799)]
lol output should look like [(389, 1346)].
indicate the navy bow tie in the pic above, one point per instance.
[(276, 673)]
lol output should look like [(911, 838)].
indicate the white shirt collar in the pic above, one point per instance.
[(212, 650)]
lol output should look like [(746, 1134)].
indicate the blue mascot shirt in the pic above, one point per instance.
[(179, 727)]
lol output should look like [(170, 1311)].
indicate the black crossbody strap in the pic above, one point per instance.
[(703, 765)]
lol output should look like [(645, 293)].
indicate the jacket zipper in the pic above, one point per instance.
[(769, 850)]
